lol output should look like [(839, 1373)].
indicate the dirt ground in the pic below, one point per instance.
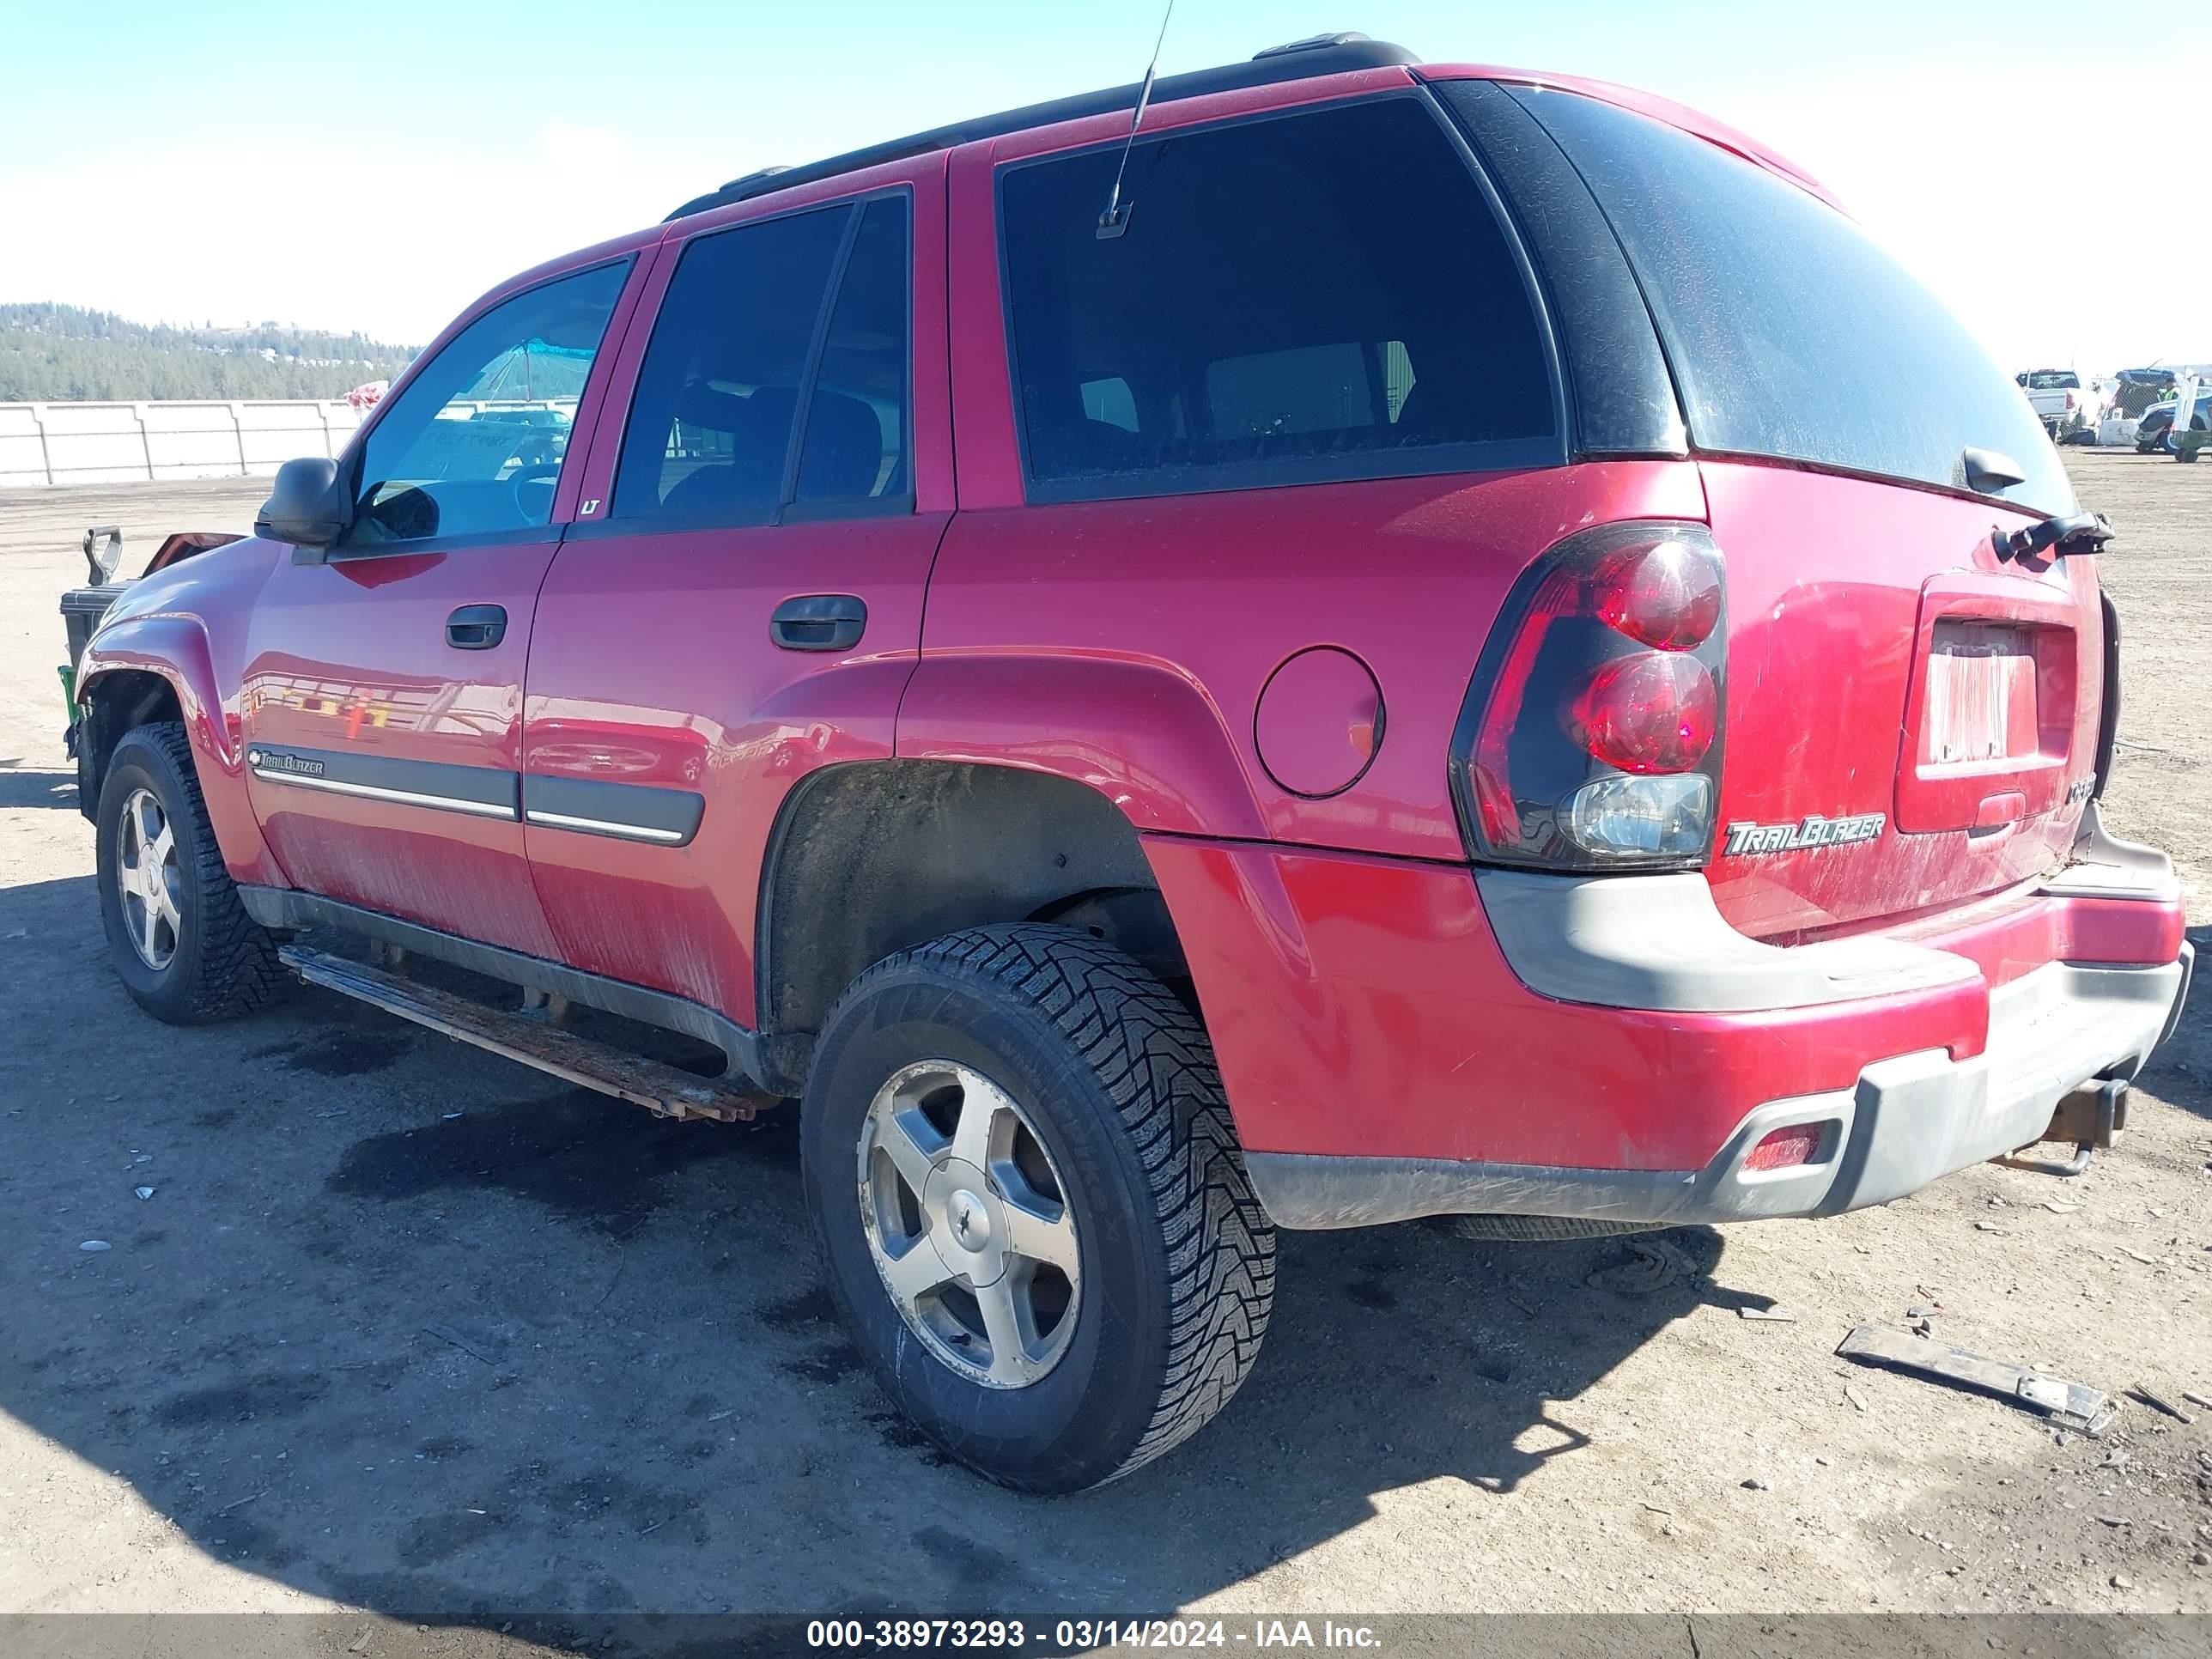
[(406, 1328)]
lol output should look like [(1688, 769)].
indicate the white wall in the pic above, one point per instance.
[(77, 443)]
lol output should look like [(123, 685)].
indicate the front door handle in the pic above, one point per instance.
[(477, 627), (819, 622)]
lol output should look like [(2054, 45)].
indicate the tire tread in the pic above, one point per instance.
[(1153, 1061), (237, 968)]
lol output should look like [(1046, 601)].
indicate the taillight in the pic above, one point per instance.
[(2069, 400), (1591, 737)]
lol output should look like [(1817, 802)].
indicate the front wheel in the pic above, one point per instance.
[(1034, 1213), (182, 945)]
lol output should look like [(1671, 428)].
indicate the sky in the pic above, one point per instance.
[(376, 166)]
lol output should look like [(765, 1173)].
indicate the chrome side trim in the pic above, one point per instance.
[(398, 797), (602, 827)]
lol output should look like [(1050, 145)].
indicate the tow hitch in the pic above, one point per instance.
[(2094, 1115)]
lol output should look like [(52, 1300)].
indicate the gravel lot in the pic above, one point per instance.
[(407, 1328)]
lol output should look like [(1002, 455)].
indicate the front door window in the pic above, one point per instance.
[(473, 445)]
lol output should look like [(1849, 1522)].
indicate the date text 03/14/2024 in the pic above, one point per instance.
[(1087, 1635)]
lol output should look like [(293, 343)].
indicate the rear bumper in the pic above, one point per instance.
[(1398, 1040), (1906, 1122)]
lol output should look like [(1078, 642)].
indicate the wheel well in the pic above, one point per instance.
[(874, 857), (115, 705)]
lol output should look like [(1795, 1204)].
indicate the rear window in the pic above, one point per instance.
[(1326, 295), (1790, 333), (2054, 380)]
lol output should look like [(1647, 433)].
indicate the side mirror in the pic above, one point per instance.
[(308, 508)]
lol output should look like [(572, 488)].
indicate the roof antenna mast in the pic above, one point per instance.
[(1115, 219)]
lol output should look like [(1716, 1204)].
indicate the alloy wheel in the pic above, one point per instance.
[(970, 1225), (147, 874)]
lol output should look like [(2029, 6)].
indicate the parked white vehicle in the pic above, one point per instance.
[(2063, 402)]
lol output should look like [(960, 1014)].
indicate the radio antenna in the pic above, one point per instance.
[(1115, 219)]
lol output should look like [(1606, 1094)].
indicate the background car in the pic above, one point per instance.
[(2156, 432)]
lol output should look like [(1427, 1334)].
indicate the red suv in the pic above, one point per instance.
[(1353, 646)]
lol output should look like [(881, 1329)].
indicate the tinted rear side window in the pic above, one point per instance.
[(1791, 334), (718, 394), (1321, 296), (854, 447)]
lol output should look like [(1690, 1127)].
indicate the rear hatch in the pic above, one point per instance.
[(1911, 721)]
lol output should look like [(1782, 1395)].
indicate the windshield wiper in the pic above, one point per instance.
[(2079, 532)]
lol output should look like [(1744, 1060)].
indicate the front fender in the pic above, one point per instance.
[(1147, 739), (176, 649)]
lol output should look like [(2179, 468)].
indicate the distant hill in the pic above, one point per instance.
[(66, 352)]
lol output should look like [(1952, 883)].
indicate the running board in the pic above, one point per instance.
[(667, 1089)]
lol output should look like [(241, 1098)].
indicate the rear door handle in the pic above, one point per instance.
[(819, 622), (477, 627)]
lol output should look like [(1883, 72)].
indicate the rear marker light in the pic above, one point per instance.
[(1591, 737), (1786, 1148)]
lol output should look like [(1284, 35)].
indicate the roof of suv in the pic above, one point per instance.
[(1297, 60)]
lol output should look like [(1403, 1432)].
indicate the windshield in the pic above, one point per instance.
[(1791, 334)]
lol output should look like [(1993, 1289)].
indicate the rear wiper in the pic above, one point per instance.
[(2079, 532)]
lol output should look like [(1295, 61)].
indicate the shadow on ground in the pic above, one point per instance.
[(37, 789), (2181, 1070), (408, 1326)]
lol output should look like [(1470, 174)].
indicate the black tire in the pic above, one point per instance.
[(1117, 1080), (222, 963)]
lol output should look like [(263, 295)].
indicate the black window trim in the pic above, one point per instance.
[(1490, 455), (356, 450), (786, 510), (1523, 93), (1619, 386)]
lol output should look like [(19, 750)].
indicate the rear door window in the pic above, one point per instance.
[(855, 448), (777, 370), (1791, 333), (1325, 294)]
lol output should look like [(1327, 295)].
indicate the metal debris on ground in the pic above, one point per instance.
[(474, 1350), (2074, 1405), (2057, 1207), (2196, 1399), (2138, 1391), (1777, 1316), (1988, 1227), (144, 1192), (95, 1245)]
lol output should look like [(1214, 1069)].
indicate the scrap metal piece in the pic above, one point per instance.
[(2070, 1405)]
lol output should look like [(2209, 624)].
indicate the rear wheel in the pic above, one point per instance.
[(183, 945), (1032, 1203)]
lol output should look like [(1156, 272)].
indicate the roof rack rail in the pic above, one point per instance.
[(1296, 60)]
